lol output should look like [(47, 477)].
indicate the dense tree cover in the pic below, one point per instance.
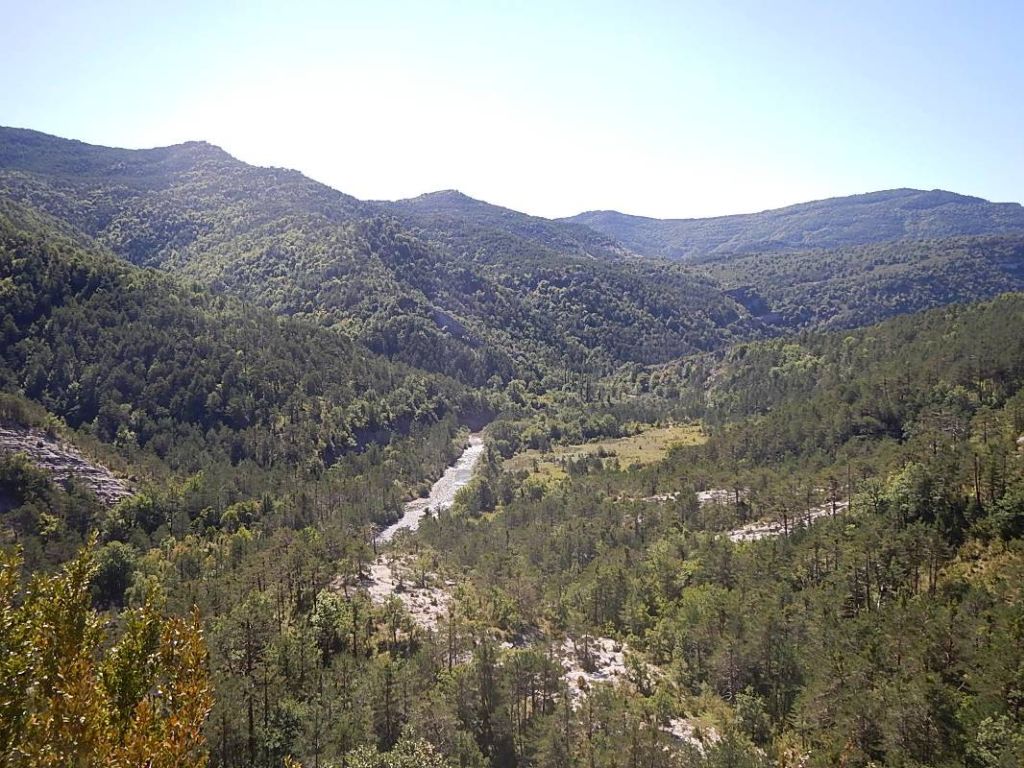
[(146, 202), (868, 637), (856, 220), (910, 597), (142, 362), (251, 542), (294, 662), (481, 293), (932, 372), (886, 633), (496, 232), (405, 754), (252, 539), (570, 313), (268, 444), (50, 523), (860, 285), (473, 301)]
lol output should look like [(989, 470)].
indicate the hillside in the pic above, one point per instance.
[(882, 474), (859, 285), (485, 232), (474, 291), (152, 205), (900, 380), (144, 362), (679, 564), (837, 222), (530, 307)]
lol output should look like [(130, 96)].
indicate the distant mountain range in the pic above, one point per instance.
[(457, 286), (453, 217), (842, 221), (476, 293)]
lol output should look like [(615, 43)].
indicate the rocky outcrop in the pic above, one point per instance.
[(63, 462)]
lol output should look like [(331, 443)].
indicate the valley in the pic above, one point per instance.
[(436, 478)]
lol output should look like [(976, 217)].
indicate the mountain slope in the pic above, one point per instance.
[(140, 360), (532, 306), (856, 220), (150, 205), (484, 294), (859, 285), (485, 232)]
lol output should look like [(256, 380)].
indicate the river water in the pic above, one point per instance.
[(442, 494)]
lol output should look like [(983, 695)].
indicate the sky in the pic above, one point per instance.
[(668, 109)]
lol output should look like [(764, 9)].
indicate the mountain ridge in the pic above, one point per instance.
[(605, 233), (860, 219), (425, 289), (455, 285), (877, 194), (435, 212), (24, 144)]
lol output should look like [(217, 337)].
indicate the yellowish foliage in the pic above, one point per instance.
[(647, 447), (69, 696)]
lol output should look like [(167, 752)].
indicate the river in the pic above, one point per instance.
[(442, 494)]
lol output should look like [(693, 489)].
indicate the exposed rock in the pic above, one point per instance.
[(426, 605), (719, 496), (659, 497), (63, 462), (693, 733), (766, 529), (590, 660)]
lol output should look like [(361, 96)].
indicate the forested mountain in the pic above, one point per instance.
[(857, 220), (140, 360), (859, 285), (475, 291), (157, 205), (485, 232), (471, 300), (824, 572)]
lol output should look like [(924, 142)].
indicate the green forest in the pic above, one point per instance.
[(764, 509)]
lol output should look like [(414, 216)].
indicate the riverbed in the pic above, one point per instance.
[(442, 494)]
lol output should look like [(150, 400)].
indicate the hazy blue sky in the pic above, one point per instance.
[(664, 109)]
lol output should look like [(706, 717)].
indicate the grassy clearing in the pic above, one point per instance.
[(647, 447)]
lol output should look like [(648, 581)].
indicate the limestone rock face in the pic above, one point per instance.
[(63, 462)]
